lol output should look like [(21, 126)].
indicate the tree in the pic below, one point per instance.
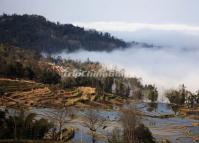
[(130, 120), (2, 119), (177, 96), (49, 37), (136, 88), (50, 77), (143, 134), (133, 130), (152, 106), (2, 93), (15, 69), (68, 82), (151, 92), (190, 99), (93, 121), (116, 136), (21, 125), (60, 117), (197, 97), (29, 73), (175, 108), (108, 82), (122, 88)]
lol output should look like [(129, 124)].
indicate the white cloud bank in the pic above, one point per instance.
[(167, 67), (132, 27)]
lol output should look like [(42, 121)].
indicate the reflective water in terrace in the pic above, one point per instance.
[(175, 129)]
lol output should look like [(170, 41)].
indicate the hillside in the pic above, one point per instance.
[(18, 63), (28, 93), (35, 32)]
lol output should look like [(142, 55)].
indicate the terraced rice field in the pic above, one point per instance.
[(27, 93), (32, 94)]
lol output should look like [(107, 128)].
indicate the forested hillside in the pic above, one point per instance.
[(36, 32), (19, 63)]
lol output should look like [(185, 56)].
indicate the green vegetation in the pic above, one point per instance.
[(133, 130), (24, 64), (122, 88), (182, 96), (18, 125), (18, 63), (177, 96), (50, 77), (151, 92), (184, 101), (35, 32), (28, 79)]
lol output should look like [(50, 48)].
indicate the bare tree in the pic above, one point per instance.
[(115, 136), (60, 116), (12, 115), (93, 121), (133, 130), (130, 120)]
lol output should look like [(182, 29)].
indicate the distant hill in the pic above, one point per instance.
[(35, 32)]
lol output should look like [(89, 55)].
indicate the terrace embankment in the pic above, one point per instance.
[(32, 94)]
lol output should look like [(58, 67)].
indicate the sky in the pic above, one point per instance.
[(139, 11), (115, 16), (171, 24)]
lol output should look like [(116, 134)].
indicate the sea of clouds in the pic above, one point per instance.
[(175, 62)]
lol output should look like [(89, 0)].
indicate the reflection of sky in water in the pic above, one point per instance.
[(156, 125), (84, 137)]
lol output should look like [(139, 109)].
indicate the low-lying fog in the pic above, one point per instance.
[(175, 63)]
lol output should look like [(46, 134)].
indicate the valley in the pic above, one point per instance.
[(43, 100)]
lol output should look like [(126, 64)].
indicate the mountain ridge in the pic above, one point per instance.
[(36, 32)]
